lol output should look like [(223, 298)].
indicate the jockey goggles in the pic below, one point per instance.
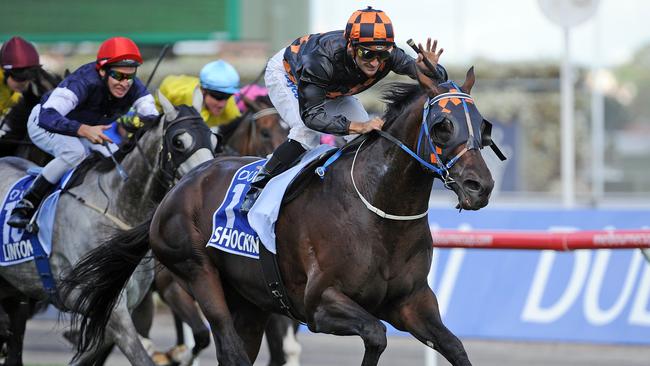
[(21, 75), (119, 76), (218, 95), (369, 55)]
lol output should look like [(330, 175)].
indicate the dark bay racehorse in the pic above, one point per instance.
[(347, 263), (154, 159), (257, 133)]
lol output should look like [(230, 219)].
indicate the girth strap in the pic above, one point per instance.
[(274, 283)]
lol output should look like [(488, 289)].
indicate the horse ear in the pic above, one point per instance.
[(197, 100), (168, 108), (251, 104), (429, 85), (469, 81)]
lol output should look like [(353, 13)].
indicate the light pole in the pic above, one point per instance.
[(567, 14)]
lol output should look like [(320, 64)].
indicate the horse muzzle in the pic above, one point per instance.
[(473, 192)]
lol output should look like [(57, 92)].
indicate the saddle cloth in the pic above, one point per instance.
[(18, 244), (235, 233)]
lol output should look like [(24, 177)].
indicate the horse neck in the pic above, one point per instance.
[(390, 177), (240, 139), (134, 198)]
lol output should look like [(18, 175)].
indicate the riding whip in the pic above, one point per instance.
[(120, 169), (163, 52), (428, 64)]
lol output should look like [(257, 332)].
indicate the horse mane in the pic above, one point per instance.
[(398, 96)]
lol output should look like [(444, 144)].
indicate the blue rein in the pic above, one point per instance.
[(440, 169)]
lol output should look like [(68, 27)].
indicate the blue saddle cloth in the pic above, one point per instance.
[(19, 245), (235, 233), (230, 229)]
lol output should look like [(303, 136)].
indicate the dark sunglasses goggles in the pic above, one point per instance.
[(21, 75), (119, 76), (369, 55), (218, 95)]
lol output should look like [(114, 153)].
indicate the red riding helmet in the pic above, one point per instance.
[(17, 53), (369, 27), (118, 51)]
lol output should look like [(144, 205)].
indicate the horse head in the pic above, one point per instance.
[(186, 142), (261, 129), (446, 132), (456, 132)]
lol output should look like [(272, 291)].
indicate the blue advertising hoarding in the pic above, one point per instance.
[(585, 296)]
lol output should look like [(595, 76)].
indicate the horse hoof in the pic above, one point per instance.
[(161, 359)]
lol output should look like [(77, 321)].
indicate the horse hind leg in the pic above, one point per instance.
[(121, 330), (338, 314)]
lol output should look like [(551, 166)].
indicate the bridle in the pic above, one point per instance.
[(252, 130), (435, 165)]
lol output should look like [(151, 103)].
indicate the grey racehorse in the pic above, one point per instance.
[(157, 156)]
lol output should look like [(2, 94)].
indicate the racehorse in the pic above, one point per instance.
[(257, 133), (105, 202), (346, 262)]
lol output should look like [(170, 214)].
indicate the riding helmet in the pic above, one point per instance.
[(219, 76), (118, 51), (17, 53), (370, 27)]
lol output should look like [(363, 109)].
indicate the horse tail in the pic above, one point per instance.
[(97, 280)]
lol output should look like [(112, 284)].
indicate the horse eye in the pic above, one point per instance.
[(178, 143), (181, 141), (442, 131), (265, 133)]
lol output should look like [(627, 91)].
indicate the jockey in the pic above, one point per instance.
[(216, 84), (71, 120), (22, 83), (312, 82)]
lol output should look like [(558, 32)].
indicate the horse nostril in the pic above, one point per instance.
[(472, 185)]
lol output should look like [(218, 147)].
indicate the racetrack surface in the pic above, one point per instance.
[(44, 345)]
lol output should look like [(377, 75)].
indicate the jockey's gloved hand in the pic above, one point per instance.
[(130, 121)]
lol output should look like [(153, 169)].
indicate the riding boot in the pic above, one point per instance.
[(282, 159), (25, 208)]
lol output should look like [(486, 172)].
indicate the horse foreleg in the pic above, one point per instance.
[(420, 316), (284, 349), (18, 310), (142, 315), (182, 305), (209, 294), (335, 313)]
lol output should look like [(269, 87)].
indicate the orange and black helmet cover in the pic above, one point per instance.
[(370, 27)]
